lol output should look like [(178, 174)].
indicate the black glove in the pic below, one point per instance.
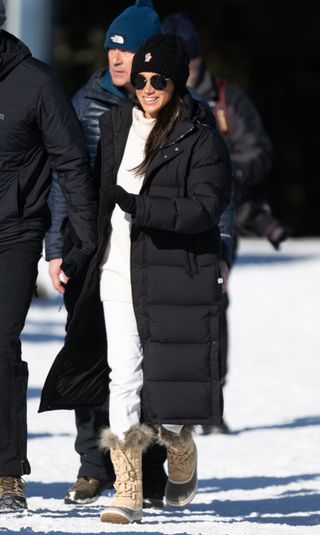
[(126, 201), (74, 262)]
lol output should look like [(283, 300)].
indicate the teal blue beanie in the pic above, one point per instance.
[(133, 27)]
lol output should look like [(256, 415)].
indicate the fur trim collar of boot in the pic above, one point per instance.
[(137, 436)]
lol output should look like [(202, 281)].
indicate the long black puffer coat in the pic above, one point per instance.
[(174, 271)]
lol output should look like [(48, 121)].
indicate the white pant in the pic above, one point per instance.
[(125, 362)]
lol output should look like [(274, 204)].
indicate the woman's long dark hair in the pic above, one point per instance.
[(161, 130)]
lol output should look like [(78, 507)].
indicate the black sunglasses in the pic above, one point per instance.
[(158, 81)]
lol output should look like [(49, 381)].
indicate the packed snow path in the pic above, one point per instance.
[(265, 476)]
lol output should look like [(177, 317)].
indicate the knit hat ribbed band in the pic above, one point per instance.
[(2, 13), (163, 54), (133, 27)]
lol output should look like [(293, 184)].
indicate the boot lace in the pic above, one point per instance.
[(179, 457), (125, 484), (11, 485)]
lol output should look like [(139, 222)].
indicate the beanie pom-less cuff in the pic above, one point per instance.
[(163, 54), (133, 27)]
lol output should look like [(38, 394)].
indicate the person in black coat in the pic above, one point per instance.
[(151, 302), (38, 131)]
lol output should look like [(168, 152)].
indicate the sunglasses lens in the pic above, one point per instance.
[(158, 82), (139, 81)]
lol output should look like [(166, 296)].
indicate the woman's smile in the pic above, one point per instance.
[(153, 100)]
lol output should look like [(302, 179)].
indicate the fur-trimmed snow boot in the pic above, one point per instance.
[(126, 456), (182, 481)]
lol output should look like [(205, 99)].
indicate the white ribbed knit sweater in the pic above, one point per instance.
[(115, 281)]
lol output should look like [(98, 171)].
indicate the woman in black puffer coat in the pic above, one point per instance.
[(166, 180)]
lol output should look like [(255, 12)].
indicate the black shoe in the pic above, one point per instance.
[(218, 429), (154, 500), (12, 497), (86, 490), (154, 482)]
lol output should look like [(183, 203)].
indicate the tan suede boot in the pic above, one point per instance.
[(182, 481), (126, 456)]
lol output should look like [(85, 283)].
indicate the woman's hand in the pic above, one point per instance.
[(58, 278), (126, 201)]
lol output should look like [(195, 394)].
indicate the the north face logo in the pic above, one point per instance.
[(1, 116), (118, 39)]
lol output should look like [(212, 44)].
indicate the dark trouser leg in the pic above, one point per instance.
[(154, 478), (18, 273), (94, 463)]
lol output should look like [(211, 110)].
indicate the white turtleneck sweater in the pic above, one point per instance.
[(115, 281)]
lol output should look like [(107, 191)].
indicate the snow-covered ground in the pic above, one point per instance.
[(265, 476)]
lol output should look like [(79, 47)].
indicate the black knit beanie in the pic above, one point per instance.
[(163, 54)]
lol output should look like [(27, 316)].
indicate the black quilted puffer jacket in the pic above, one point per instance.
[(175, 244)]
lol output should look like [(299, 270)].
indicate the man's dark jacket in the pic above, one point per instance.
[(89, 103), (39, 131), (175, 245)]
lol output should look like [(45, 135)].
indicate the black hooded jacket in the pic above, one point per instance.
[(39, 131)]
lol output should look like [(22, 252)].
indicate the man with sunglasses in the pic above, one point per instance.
[(106, 88)]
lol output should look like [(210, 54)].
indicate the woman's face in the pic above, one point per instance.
[(153, 100)]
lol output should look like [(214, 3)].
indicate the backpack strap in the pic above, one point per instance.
[(220, 109)]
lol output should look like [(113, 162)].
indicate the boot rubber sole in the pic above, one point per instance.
[(182, 503), (117, 515), (12, 504), (181, 493)]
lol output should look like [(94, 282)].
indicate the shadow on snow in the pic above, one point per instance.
[(246, 259), (293, 508), (306, 421)]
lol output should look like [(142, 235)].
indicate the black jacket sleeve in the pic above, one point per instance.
[(59, 211), (250, 147), (64, 142), (209, 188)]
